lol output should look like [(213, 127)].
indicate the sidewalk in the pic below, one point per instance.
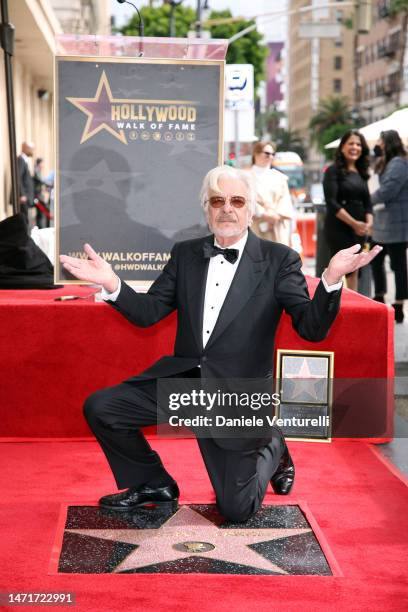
[(397, 450)]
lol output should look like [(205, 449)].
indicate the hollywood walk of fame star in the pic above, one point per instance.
[(98, 110), (304, 381), (187, 533)]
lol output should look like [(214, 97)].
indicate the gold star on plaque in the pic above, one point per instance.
[(98, 111)]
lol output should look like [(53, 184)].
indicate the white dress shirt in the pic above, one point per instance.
[(219, 278)]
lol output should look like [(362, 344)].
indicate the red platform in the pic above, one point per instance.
[(54, 354)]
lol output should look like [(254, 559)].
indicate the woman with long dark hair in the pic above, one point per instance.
[(349, 212), (390, 228)]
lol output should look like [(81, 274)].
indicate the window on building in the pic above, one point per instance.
[(367, 55), (338, 42), (393, 82), (337, 86), (338, 62), (381, 48), (338, 15), (394, 41), (383, 9), (366, 91)]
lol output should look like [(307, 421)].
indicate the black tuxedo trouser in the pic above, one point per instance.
[(239, 478)]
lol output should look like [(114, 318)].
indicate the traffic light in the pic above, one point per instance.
[(364, 16)]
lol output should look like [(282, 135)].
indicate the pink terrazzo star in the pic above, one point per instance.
[(187, 528)]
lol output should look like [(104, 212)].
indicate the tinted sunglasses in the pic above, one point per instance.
[(220, 201)]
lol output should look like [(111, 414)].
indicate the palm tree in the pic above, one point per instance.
[(290, 140), (331, 111), (333, 116)]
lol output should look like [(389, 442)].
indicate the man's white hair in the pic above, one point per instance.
[(211, 180)]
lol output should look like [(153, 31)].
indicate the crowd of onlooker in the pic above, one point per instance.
[(366, 195)]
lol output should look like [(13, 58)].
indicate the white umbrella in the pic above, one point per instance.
[(397, 121)]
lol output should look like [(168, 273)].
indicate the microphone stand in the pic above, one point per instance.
[(141, 25)]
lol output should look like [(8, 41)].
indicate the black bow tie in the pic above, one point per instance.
[(210, 250)]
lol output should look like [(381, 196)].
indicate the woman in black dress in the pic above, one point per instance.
[(349, 212)]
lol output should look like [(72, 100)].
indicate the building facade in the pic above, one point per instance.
[(381, 84), (83, 16), (274, 74), (317, 68), (36, 25)]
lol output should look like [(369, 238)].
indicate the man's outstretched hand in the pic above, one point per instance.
[(93, 270), (347, 261)]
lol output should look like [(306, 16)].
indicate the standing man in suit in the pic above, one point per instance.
[(26, 181), (229, 290)]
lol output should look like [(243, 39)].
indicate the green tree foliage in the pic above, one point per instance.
[(398, 6), (332, 119), (157, 21), (246, 50)]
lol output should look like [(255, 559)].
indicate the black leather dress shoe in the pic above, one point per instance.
[(144, 495), (284, 477)]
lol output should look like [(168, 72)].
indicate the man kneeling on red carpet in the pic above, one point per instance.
[(229, 289)]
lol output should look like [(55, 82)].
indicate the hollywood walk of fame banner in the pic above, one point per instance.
[(134, 139)]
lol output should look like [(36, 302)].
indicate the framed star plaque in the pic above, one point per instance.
[(135, 136), (305, 387)]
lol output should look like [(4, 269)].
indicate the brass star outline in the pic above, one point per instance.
[(87, 134)]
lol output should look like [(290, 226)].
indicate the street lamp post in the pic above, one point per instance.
[(172, 22), (198, 22), (199, 16)]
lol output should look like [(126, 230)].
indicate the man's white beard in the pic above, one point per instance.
[(228, 232)]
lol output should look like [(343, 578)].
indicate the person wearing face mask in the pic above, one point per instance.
[(349, 216), (274, 204), (390, 228)]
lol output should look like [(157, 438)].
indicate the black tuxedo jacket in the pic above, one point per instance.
[(26, 182), (268, 280)]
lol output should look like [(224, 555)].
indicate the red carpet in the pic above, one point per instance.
[(359, 505)]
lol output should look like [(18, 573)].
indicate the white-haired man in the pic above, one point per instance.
[(229, 290)]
